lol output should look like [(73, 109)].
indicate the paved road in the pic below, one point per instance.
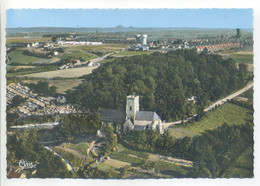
[(219, 102)]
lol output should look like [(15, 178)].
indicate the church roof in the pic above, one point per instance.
[(112, 115), (146, 115)]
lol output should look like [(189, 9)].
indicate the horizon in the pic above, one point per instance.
[(137, 18), (132, 27)]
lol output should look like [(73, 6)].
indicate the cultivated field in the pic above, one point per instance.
[(78, 54), (243, 57), (133, 53), (228, 113), (116, 163), (62, 84), (18, 57), (26, 39), (65, 73), (101, 49)]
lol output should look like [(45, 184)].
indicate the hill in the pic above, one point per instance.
[(164, 82), (118, 28)]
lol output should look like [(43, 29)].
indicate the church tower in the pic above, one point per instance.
[(132, 106)]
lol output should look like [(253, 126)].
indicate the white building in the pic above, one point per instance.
[(144, 39)]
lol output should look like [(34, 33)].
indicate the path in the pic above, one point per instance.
[(219, 102), (74, 152), (168, 159), (69, 167)]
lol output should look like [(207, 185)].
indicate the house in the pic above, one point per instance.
[(35, 44), (140, 120), (16, 174), (74, 62), (56, 53)]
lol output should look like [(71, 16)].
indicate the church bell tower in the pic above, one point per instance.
[(132, 106)]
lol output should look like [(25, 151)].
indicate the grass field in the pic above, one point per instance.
[(78, 54), (18, 57), (248, 94), (80, 147), (116, 163), (65, 73), (26, 39), (243, 166), (133, 53), (228, 113), (243, 58), (102, 49), (27, 71), (62, 84), (171, 169)]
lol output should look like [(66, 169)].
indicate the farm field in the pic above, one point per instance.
[(19, 58), (228, 113), (101, 49), (26, 39), (65, 73), (133, 53), (30, 70), (78, 54), (240, 57), (243, 166), (116, 163)]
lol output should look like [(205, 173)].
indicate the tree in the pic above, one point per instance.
[(18, 100), (54, 39), (111, 139)]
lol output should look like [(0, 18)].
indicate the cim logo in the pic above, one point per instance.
[(27, 165)]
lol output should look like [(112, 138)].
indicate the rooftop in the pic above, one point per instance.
[(146, 116), (112, 115)]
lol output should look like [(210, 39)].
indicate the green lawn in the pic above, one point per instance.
[(130, 156), (243, 58), (17, 57), (80, 147), (133, 152), (243, 167), (78, 54), (228, 113), (133, 53)]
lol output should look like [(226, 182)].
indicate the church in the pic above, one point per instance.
[(140, 120)]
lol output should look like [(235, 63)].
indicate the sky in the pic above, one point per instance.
[(198, 18)]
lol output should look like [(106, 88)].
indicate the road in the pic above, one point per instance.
[(219, 102), (96, 60), (36, 126)]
